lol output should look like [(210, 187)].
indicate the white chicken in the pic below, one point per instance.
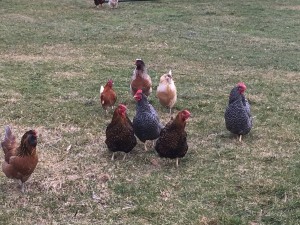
[(113, 3)]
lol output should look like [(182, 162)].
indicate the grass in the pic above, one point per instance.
[(54, 55)]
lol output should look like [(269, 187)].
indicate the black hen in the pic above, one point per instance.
[(172, 141), (146, 123), (119, 133), (99, 2), (238, 119)]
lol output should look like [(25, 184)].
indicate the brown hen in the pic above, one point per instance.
[(140, 79), (20, 161), (119, 133), (172, 141)]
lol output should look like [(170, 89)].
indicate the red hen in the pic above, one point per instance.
[(108, 96)]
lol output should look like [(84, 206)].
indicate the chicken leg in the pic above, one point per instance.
[(22, 186), (113, 157)]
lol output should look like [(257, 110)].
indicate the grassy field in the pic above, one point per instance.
[(54, 55)]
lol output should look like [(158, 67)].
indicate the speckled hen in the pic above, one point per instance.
[(146, 123), (238, 118)]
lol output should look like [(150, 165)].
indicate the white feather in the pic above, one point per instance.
[(101, 89)]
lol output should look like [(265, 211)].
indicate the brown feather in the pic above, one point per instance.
[(144, 84)]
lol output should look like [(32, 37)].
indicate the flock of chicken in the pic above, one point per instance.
[(121, 133), (170, 141)]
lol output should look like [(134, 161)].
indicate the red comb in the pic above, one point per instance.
[(242, 84), (122, 106), (139, 91)]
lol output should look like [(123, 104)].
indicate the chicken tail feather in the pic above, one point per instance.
[(9, 140), (101, 89), (8, 133)]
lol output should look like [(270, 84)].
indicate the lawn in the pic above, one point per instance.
[(54, 55)]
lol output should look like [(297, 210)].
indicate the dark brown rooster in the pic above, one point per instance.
[(108, 96), (172, 141), (99, 2), (119, 133), (20, 161), (140, 79)]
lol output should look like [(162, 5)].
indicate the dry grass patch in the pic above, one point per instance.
[(37, 58), (58, 53), (10, 96), (18, 18), (68, 75), (289, 7)]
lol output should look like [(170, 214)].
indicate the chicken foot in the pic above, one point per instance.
[(240, 138)]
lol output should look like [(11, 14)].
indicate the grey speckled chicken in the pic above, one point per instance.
[(238, 119), (146, 123), (172, 141)]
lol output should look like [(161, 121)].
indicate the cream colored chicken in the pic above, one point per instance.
[(166, 91), (113, 3)]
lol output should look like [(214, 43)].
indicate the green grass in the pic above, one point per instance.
[(54, 55)]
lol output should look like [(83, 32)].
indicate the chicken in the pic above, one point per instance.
[(172, 141), (119, 133), (166, 91), (108, 96), (146, 123), (98, 2), (238, 119), (113, 3), (140, 79), (20, 161)]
